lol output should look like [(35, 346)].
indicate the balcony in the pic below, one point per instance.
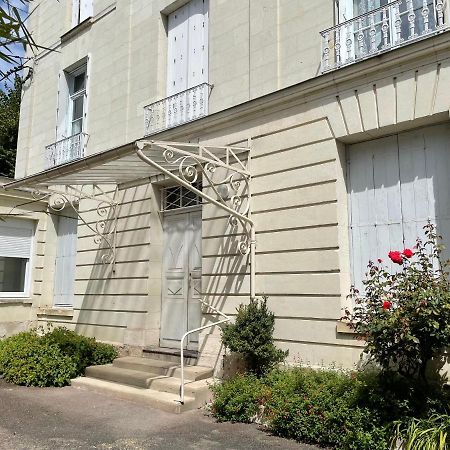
[(66, 150), (177, 109), (391, 26)]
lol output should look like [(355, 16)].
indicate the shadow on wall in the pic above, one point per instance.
[(113, 301)]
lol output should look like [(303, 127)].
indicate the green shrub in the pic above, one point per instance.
[(347, 411), (52, 359), (26, 359), (252, 336), (238, 399), (322, 407), (84, 351)]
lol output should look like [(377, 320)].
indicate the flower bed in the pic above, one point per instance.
[(342, 410)]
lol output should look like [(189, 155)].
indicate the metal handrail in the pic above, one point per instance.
[(66, 149), (177, 109), (185, 335), (67, 138), (380, 30), (170, 97)]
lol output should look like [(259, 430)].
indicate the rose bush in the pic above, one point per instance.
[(405, 317)]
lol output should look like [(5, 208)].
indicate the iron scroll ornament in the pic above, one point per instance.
[(104, 228), (189, 170)]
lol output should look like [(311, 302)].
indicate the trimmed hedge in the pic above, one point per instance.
[(27, 360), (51, 359), (345, 411), (84, 351)]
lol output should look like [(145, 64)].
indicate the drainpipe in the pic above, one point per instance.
[(252, 228), (252, 262)]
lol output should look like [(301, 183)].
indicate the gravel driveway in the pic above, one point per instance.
[(69, 418)]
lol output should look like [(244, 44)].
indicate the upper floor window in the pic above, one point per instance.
[(348, 9), (72, 102), (187, 70), (77, 93), (81, 10), (411, 12), (187, 54), (71, 137)]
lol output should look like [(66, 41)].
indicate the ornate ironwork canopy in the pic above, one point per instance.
[(224, 173)]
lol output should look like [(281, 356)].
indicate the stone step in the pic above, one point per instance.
[(109, 372), (154, 366), (169, 354), (172, 385), (161, 400), (192, 373), (160, 367)]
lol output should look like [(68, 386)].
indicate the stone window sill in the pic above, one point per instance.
[(15, 300), (60, 312), (344, 328), (77, 29)]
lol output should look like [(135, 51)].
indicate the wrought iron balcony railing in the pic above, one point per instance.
[(393, 25), (177, 109), (66, 150)]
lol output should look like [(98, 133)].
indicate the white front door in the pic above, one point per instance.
[(182, 266)]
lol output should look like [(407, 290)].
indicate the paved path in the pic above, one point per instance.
[(69, 418)]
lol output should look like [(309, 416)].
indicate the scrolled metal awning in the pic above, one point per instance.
[(224, 171)]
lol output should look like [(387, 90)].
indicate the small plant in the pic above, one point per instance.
[(252, 336), (237, 400), (405, 317), (103, 354), (432, 433)]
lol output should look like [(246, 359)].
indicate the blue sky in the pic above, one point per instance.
[(17, 49)]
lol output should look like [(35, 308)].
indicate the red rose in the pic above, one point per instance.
[(396, 257), (408, 253), (387, 304)]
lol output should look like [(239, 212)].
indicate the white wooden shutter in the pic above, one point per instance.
[(75, 12), (198, 43), (65, 261), (345, 10), (16, 238), (187, 55), (86, 9), (374, 203), (177, 53), (395, 185), (63, 107)]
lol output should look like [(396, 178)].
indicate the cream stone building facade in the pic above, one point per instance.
[(334, 117)]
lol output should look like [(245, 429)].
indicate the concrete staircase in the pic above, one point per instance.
[(153, 381)]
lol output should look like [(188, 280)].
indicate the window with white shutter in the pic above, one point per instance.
[(16, 239), (187, 56), (396, 184), (72, 100), (65, 263), (81, 10)]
